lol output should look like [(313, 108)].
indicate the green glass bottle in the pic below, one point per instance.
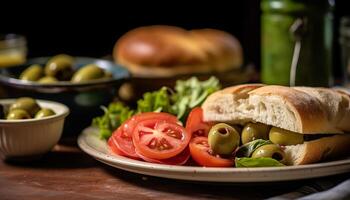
[(314, 60)]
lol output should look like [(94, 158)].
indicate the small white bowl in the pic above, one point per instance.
[(30, 138)]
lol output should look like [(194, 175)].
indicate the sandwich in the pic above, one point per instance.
[(311, 124)]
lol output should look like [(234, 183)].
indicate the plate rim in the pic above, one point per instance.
[(123, 162)]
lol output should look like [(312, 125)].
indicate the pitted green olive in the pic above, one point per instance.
[(270, 151), (27, 104), (285, 137), (223, 139), (18, 114), (88, 72), (32, 73), (60, 67), (44, 112), (253, 131), (47, 80)]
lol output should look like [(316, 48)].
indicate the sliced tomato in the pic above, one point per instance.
[(122, 137), (179, 159), (124, 142), (195, 123), (160, 139), (201, 153), (129, 127), (113, 147)]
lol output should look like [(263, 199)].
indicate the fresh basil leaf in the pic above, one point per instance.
[(257, 162), (248, 149)]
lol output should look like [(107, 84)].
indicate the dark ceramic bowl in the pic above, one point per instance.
[(83, 99)]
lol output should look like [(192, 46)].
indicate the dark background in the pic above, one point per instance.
[(91, 29)]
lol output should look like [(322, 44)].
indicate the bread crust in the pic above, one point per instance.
[(214, 103), (163, 51), (311, 115), (308, 111), (317, 150)]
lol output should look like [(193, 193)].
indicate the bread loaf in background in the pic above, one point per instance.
[(165, 51)]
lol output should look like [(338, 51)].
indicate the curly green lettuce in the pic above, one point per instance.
[(186, 95), (192, 93), (114, 115)]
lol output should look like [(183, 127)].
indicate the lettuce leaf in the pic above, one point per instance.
[(113, 117), (248, 149), (192, 93), (186, 95), (257, 162), (157, 101)]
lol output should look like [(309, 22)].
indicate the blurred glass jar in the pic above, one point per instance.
[(313, 55), (13, 50), (344, 41)]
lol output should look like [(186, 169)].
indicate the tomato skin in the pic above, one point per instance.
[(123, 142), (134, 120), (200, 152), (195, 124), (121, 139), (179, 159), (159, 139), (113, 147)]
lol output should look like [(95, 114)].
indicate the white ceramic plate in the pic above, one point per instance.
[(89, 142)]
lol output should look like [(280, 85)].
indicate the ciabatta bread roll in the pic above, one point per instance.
[(164, 51), (304, 110)]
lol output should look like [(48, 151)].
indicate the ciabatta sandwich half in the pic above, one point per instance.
[(318, 113)]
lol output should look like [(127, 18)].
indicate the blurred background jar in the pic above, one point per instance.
[(284, 23), (344, 41), (13, 50)]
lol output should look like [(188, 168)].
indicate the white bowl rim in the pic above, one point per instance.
[(63, 114)]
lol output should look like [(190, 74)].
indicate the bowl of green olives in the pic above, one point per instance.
[(29, 128), (81, 83)]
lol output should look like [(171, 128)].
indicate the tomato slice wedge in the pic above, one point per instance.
[(179, 159), (201, 153), (160, 139), (195, 124)]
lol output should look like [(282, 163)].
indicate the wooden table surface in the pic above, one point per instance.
[(68, 173)]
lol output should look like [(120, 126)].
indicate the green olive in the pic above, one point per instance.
[(270, 151), (32, 73), (88, 72), (18, 114), (27, 104), (44, 112), (47, 80), (60, 67), (285, 137), (108, 74), (253, 131), (223, 139)]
